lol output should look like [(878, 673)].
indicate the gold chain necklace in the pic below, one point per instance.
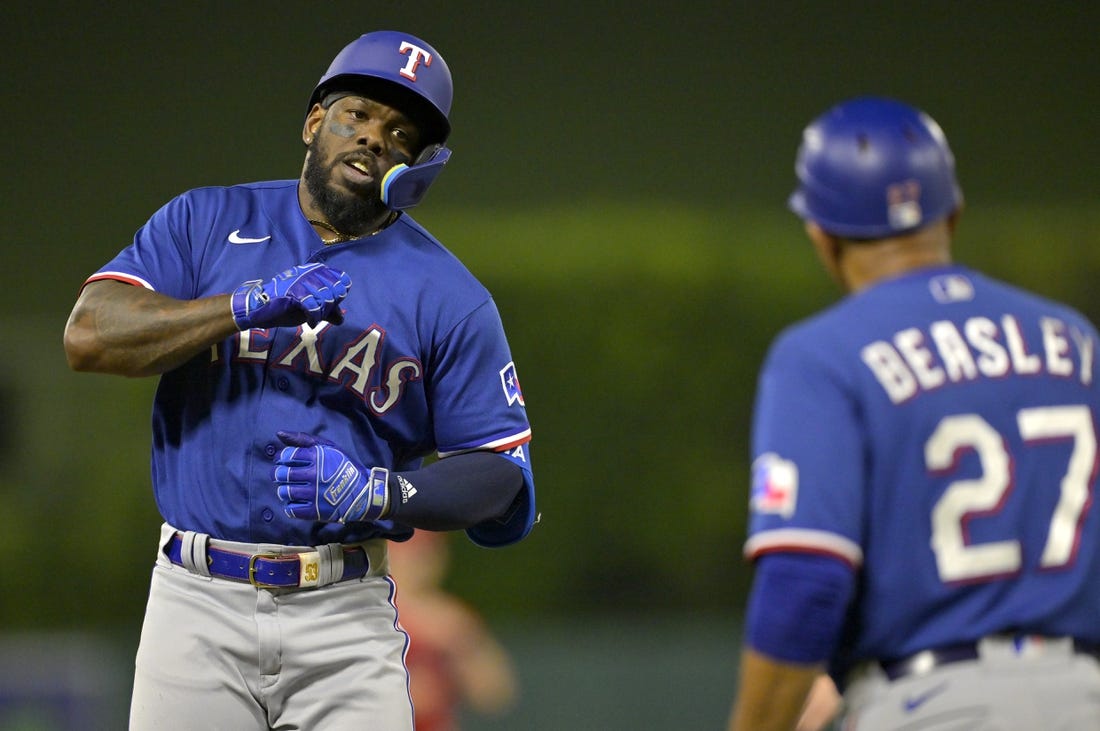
[(341, 237)]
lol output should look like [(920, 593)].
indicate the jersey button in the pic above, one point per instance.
[(268, 515), (270, 450), (283, 384)]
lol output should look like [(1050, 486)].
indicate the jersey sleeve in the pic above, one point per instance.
[(808, 458), (160, 256), (475, 390), (478, 404)]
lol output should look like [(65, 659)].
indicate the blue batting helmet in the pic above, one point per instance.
[(398, 69), (871, 168)]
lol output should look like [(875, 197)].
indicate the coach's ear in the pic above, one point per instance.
[(953, 219), (828, 250)]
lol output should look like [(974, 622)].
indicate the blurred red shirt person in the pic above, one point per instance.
[(454, 660)]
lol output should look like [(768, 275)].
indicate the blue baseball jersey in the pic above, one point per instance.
[(420, 364), (937, 432)]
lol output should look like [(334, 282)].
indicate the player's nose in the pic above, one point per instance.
[(371, 136)]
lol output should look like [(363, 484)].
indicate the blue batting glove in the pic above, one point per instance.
[(315, 480), (305, 293)]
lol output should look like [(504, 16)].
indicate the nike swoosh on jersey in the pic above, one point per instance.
[(236, 238), (912, 703)]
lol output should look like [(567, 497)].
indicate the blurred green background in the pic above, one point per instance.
[(618, 181)]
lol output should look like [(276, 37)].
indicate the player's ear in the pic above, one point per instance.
[(312, 123)]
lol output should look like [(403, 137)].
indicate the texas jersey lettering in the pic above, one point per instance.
[(402, 350)]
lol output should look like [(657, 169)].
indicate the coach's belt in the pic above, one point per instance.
[(928, 660), (272, 570)]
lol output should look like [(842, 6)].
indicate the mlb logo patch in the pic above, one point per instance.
[(949, 288), (774, 485), (510, 382)]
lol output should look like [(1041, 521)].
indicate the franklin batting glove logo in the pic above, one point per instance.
[(340, 484)]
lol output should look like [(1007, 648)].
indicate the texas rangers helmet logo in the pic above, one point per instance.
[(417, 55), (903, 204), (774, 485), (510, 382)]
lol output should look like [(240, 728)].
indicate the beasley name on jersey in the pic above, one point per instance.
[(923, 358)]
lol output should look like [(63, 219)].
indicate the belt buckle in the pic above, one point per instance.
[(252, 571)]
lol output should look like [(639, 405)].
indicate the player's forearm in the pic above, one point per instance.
[(455, 493), (771, 694), (127, 330)]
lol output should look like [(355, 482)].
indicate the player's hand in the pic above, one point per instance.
[(317, 481), (306, 293)]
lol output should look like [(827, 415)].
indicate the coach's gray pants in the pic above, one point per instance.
[(1045, 688)]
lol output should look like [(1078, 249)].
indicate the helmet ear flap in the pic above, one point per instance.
[(429, 153), (403, 186)]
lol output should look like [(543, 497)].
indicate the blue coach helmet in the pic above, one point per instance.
[(871, 168), (405, 70)]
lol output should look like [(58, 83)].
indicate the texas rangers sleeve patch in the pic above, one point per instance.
[(774, 485), (510, 382)]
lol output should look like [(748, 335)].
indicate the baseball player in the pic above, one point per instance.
[(314, 344), (925, 461)]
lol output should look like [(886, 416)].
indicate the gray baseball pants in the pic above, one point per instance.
[(1038, 685), (219, 654)]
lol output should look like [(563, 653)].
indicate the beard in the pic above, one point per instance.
[(351, 214)]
